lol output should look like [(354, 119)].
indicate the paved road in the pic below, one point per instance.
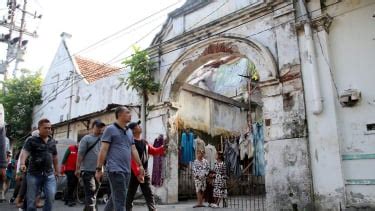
[(59, 206)]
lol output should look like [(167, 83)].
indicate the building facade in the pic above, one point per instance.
[(313, 72)]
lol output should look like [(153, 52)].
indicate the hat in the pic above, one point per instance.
[(98, 123), (132, 125)]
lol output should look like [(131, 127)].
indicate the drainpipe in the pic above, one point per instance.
[(317, 97)]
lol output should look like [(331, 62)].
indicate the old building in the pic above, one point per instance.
[(77, 90), (314, 65), (300, 69)]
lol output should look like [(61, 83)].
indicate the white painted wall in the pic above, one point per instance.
[(207, 14), (87, 98), (346, 61), (352, 51)]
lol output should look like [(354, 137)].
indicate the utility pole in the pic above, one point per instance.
[(20, 52), (11, 4), (16, 45)]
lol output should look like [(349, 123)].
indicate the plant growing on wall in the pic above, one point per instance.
[(21, 95), (140, 77), (253, 72)]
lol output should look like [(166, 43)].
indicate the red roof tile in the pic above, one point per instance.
[(92, 70)]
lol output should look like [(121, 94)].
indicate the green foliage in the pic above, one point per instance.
[(253, 72), (140, 76), (21, 95)]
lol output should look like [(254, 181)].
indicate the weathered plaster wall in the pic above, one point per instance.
[(286, 175), (210, 116), (273, 47), (351, 50)]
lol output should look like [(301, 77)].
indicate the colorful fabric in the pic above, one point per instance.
[(69, 161), (157, 179), (187, 145)]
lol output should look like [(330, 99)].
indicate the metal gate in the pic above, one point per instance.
[(246, 193), (186, 187)]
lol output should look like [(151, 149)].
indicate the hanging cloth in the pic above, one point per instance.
[(157, 179), (232, 160), (210, 155), (191, 146), (187, 144), (258, 142)]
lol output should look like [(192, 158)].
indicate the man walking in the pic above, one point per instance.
[(68, 167), (144, 150), (117, 148), (43, 155), (88, 152), (3, 162)]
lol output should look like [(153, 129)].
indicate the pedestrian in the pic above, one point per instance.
[(68, 167), (21, 189), (220, 183), (117, 148), (88, 152), (144, 150), (43, 166), (3, 162), (9, 172), (200, 172)]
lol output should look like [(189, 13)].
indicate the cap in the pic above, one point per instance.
[(98, 123), (132, 125)]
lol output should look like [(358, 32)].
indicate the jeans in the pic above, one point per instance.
[(72, 186), (119, 182), (34, 182), (91, 188), (146, 190)]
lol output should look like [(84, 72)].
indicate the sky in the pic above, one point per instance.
[(89, 21)]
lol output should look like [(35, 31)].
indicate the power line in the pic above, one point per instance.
[(117, 32), (251, 35), (93, 74), (259, 32), (122, 59)]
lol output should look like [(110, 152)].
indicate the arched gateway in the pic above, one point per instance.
[(208, 91)]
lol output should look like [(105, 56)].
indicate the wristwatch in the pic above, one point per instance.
[(99, 168)]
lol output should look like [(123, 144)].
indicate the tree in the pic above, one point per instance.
[(19, 96), (140, 78)]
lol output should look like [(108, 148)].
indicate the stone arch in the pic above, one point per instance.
[(203, 52)]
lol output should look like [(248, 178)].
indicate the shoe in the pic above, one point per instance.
[(213, 205), (71, 204), (11, 200)]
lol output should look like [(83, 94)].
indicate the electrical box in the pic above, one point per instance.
[(350, 97)]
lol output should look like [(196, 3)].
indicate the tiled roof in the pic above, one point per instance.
[(92, 70)]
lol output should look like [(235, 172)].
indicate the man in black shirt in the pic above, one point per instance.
[(43, 166), (144, 149)]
